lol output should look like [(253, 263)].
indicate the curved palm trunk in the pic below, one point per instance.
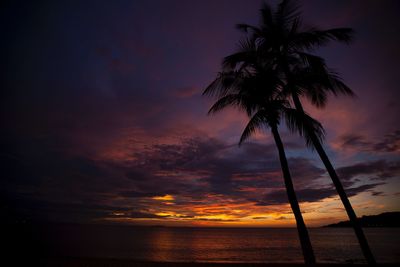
[(305, 242), (339, 188)]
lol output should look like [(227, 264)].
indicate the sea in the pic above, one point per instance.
[(184, 244)]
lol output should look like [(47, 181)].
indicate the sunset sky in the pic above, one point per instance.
[(102, 117)]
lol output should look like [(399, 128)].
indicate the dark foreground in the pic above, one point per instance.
[(80, 262)]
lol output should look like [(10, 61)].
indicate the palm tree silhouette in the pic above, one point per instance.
[(257, 91), (284, 45)]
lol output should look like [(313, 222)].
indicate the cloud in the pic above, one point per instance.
[(135, 215), (313, 194), (217, 220), (192, 172), (389, 143), (304, 172), (260, 217), (376, 170)]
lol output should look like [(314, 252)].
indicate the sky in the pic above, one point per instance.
[(103, 119)]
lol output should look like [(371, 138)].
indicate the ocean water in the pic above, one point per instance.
[(331, 245)]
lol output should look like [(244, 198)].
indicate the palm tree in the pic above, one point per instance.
[(258, 94), (284, 45)]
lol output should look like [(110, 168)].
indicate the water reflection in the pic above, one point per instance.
[(222, 245)]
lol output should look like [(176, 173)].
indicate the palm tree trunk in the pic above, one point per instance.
[(339, 188), (305, 242)]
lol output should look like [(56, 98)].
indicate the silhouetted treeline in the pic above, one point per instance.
[(387, 219)]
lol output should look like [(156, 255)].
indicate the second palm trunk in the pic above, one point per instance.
[(305, 242)]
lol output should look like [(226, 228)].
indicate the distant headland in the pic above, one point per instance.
[(387, 219)]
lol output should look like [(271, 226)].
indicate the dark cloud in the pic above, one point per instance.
[(353, 140), (377, 170), (190, 170), (362, 188), (211, 161), (304, 172), (313, 194), (136, 194), (224, 168), (217, 220), (388, 143), (135, 215), (303, 195), (260, 218), (378, 193)]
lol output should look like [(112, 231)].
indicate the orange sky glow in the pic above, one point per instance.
[(230, 213)]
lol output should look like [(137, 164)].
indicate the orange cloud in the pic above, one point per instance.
[(164, 198)]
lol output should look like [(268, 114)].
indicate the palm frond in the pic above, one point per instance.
[(256, 122), (337, 86), (316, 63), (316, 96), (223, 84), (316, 80), (313, 38), (267, 18), (286, 13), (213, 87), (304, 125), (296, 24), (223, 102), (246, 54), (242, 100), (246, 27), (344, 35)]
